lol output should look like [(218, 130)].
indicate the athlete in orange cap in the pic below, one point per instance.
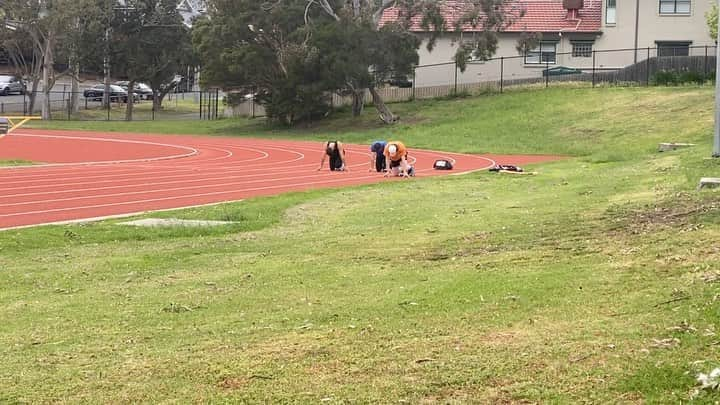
[(396, 162)]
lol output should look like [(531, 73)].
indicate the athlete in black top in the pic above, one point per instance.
[(336, 152)]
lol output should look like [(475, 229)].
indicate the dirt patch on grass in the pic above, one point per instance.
[(681, 212), (233, 383)]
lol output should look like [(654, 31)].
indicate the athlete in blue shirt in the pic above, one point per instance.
[(377, 156)]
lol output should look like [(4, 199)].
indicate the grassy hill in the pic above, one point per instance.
[(594, 281)]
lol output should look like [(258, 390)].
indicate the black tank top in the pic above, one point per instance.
[(335, 159)]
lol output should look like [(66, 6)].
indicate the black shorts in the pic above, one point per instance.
[(379, 162), (336, 163), (395, 163)]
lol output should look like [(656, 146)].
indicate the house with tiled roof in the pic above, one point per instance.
[(573, 33)]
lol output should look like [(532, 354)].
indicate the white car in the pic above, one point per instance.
[(11, 84), (143, 91)]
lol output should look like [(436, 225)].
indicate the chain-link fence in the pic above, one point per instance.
[(90, 106), (583, 67), (542, 68)]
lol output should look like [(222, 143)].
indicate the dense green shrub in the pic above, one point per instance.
[(674, 77)]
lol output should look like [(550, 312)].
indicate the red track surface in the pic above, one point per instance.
[(91, 175)]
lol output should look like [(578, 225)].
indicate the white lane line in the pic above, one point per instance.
[(189, 178), (187, 172), (195, 179), (191, 151), (281, 186), (175, 189), (187, 168), (117, 216)]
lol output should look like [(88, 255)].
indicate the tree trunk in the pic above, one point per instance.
[(156, 101), (48, 82), (32, 97), (160, 99), (74, 106), (130, 101), (358, 102), (385, 114)]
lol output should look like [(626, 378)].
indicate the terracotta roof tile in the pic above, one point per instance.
[(539, 16)]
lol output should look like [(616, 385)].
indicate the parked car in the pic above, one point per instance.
[(117, 93), (11, 84), (400, 82), (143, 91)]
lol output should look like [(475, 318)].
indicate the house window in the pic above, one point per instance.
[(544, 53), (673, 49), (610, 12), (674, 6), (582, 49)]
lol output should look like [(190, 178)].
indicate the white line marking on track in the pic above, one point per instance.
[(195, 166), (192, 151), (281, 186)]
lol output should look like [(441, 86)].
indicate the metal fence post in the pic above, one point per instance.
[(108, 107), (593, 69), (647, 68), (456, 70), (705, 69), (201, 110), (547, 73), (413, 82), (217, 102), (502, 72)]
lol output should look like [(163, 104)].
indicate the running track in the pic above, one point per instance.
[(88, 175)]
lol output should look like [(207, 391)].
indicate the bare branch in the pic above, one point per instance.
[(307, 10), (327, 8)]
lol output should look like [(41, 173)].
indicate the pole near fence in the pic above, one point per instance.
[(413, 82), (201, 104), (108, 107), (647, 68), (456, 69), (705, 73), (716, 141), (502, 69), (217, 102), (593, 69), (547, 73)]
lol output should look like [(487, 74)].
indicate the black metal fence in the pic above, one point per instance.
[(66, 105), (581, 67)]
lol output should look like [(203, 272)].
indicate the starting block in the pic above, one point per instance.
[(9, 124)]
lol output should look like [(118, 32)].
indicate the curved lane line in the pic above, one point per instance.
[(192, 152)]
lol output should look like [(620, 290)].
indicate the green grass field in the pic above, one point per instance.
[(594, 281), (15, 163)]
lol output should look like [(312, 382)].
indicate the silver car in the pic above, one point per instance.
[(11, 84)]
